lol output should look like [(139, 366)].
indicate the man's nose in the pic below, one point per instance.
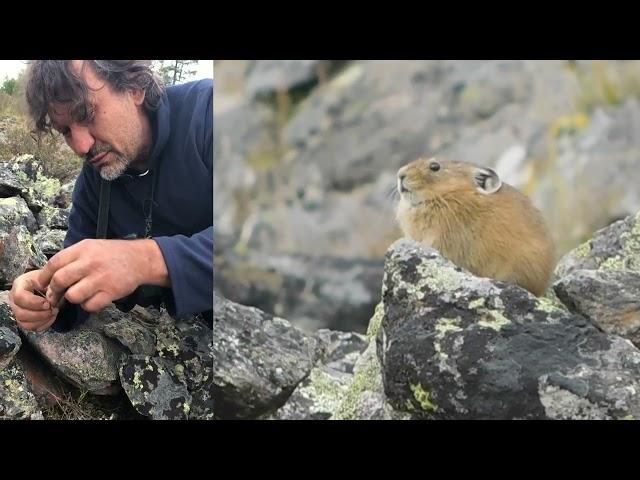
[(80, 140)]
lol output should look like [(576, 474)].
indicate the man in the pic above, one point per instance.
[(155, 147)]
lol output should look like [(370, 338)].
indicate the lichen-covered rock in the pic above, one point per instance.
[(155, 388), (49, 242), (453, 345), (258, 360), (18, 254), (82, 356), (52, 217), (63, 198), (10, 186), (9, 338), (39, 190), (15, 212), (317, 397), (170, 374), (17, 401), (615, 247), (134, 335), (610, 299), (364, 398)]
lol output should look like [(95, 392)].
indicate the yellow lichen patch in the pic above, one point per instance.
[(422, 397), (494, 320)]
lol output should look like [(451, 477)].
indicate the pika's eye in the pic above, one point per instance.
[(434, 166)]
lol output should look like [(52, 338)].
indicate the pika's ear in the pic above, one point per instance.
[(487, 180)]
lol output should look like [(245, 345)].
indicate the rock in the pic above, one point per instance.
[(154, 388), (614, 247), (49, 242), (319, 395), (10, 186), (14, 212), (169, 375), (609, 299), (258, 360), (82, 356), (17, 401), (341, 349), (9, 338), (53, 218), (18, 254), (452, 345), (64, 196)]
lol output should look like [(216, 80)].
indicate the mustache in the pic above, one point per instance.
[(97, 149)]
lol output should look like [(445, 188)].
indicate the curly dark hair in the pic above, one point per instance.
[(55, 81)]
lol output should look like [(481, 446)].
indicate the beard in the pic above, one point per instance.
[(115, 168), (117, 165)]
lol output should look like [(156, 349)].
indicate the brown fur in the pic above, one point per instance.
[(498, 235)]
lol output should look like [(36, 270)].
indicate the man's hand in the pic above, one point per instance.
[(93, 273), (32, 312)]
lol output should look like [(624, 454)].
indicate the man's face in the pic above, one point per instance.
[(118, 133)]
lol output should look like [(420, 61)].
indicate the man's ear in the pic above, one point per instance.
[(138, 96), (487, 180)]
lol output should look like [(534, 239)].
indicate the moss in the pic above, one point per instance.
[(422, 397)]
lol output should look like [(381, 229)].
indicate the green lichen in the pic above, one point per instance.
[(186, 408), (367, 377), (494, 320), (10, 201), (137, 380), (375, 322), (613, 263), (583, 250), (480, 302), (628, 417), (444, 325), (325, 392), (422, 397), (549, 305)]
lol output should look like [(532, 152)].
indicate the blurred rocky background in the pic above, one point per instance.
[(306, 154)]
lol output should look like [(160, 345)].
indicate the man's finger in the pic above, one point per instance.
[(55, 263), (29, 318), (64, 278), (97, 302), (29, 301), (46, 325), (82, 290)]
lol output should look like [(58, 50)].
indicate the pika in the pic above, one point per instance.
[(477, 221)]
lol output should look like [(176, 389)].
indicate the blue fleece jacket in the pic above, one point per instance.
[(181, 164)]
